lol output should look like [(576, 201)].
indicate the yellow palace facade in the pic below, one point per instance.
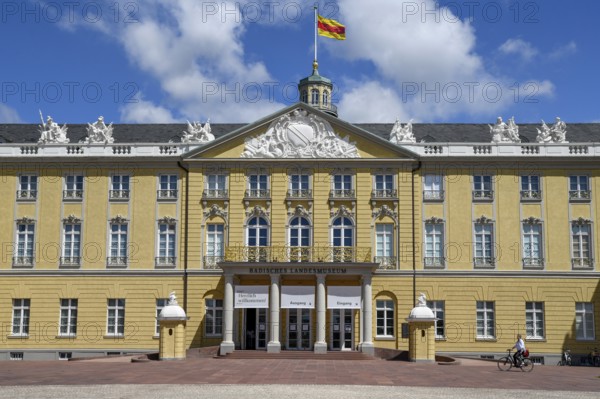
[(299, 231)]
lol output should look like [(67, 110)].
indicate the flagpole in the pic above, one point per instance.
[(316, 25)]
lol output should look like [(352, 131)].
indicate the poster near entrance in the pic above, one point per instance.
[(297, 297), (339, 297), (251, 296)]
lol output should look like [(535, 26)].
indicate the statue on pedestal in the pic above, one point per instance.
[(402, 134), (98, 132), (51, 132)]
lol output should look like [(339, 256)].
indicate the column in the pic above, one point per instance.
[(274, 346), (227, 344), (321, 344), (367, 316)]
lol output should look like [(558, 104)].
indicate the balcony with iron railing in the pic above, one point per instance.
[(386, 262), (165, 261), (533, 263), (73, 195), (433, 195), (582, 263), (342, 194), (483, 195), (166, 194), (121, 195), (384, 194), (70, 261), (286, 253), (434, 262), (484, 262), (116, 261), (26, 195), (300, 194), (211, 262), (531, 195), (215, 193), (257, 194), (23, 261), (580, 195)]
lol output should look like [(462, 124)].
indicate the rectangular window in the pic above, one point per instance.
[(484, 249), (532, 245), (167, 187), (20, 320), (214, 317), (434, 245), (534, 320), (485, 320), (215, 186), (118, 244), (119, 187), (25, 244), (384, 245), (166, 245), (342, 186), (530, 188), (160, 304), (299, 186), (215, 245), (581, 245), (27, 187), (258, 186), (482, 188), (115, 321), (433, 187), (579, 188), (71, 255), (438, 311), (73, 187), (385, 318), (68, 317), (384, 187), (584, 320)]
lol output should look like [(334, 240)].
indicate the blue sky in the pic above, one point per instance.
[(156, 61)]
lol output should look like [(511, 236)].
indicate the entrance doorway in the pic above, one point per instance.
[(255, 329), (342, 329), (298, 329)]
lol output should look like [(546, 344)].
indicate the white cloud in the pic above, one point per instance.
[(371, 102), (564, 51), (519, 47), (8, 114), (145, 112)]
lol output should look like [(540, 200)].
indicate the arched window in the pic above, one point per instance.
[(304, 96), (314, 97), (258, 239), (343, 240), (299, 239), (325, 98)]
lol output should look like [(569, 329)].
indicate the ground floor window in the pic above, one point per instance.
[(214, 317), (534, 320), (485, 320), (584, 320), (385, 318), (438, 311)]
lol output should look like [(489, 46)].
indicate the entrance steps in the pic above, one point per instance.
[(304, 355)]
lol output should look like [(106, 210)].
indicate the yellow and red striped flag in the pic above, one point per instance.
[(331, 28)]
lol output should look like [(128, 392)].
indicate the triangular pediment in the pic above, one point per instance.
[(300, 132)]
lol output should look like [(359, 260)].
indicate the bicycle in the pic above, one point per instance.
[(566, 358), (507, 362)]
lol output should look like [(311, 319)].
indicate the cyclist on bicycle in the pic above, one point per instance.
[(520, 347)]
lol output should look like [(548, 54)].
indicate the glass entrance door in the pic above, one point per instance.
[(255, 329), (342, 329), (298, 329)]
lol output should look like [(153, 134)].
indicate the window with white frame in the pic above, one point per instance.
[(325, 98), (166, 244), (384, 245), (160, 304), (385, 317), (383, 186), (584, 320), (534, 320), (482, 187), (258, 186), (299, 186), (115, 321), (119, 187), (71, 255), (485, 320), (25, 243), (434, 243), (216, 186), (314, 97), (118, 244), (433, 187), (167, 187), (73, 187), (484, 247), (342, 186), (304, 96), (530, 188), (532, 244), (27, 187), (20, 319), (68, 317), (300, 232), (437, 307), (257, 239), (215, 244), (579, 188), (213, 325), (343, 239), (581, 254)]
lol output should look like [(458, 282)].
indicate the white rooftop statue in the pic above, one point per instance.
[(557, 133), (98, 132), (51, 133), (172, 299), (196, 133), (402, 134), (422, 300), (505, 133)]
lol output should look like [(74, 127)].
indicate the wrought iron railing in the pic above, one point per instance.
[(23, 261), (299, 193), (26, 194), (215, 193), (484, 261), (483, 195), (582, 263), (433, 195), (166, 194), (118, 194), (434, 261), (162, 261), (384, 193), (533, 263), (580, 195), (386, 262), (212, 261), (70, 261), (73, 194), (286, 253), (342, 194), (257, 193), (116, 261), (531, 195)]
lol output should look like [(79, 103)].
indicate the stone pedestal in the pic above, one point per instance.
[(172, 320), (421, 341)]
